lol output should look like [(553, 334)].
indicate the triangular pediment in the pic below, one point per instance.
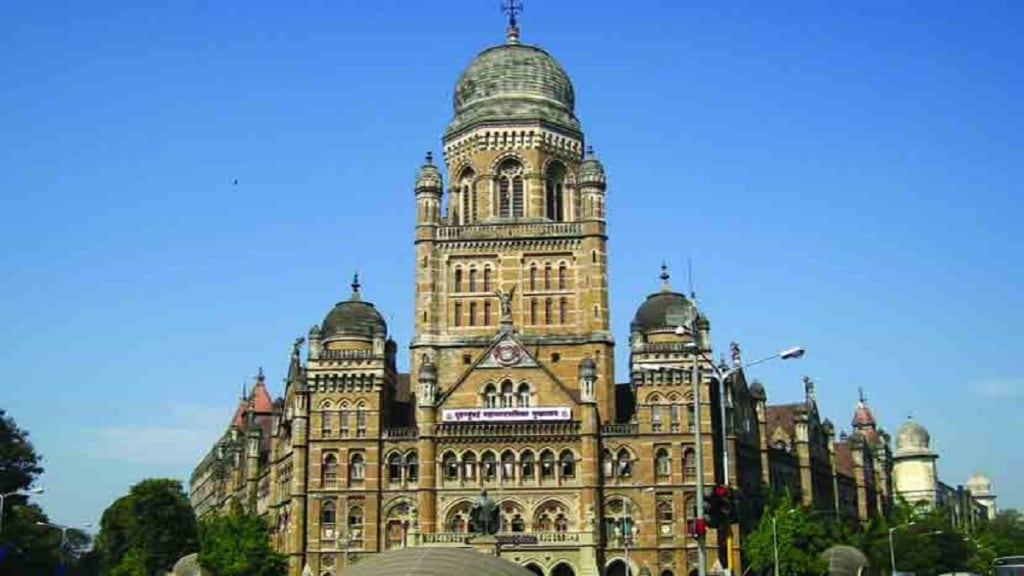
[(506, 353)]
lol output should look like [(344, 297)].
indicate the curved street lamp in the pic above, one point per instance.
[(22, 492)]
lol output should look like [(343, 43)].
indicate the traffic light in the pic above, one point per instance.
[(718, 506), (697, 527)]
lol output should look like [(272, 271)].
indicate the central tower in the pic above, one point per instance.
[(515, 246)]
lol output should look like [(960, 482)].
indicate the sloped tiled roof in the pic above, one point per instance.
[(783, 416), (844, 459)]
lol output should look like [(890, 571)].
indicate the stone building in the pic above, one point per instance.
[(512, 381)]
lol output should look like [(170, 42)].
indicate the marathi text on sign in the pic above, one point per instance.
[(506, 414)]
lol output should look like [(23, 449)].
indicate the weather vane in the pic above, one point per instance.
[(511, 7)]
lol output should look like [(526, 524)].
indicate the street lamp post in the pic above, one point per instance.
[(892, 549), (627, 533), (3, 497), (63, 535)]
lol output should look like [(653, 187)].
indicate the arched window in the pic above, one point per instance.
[(330, 470), (355, 526), (527, 466), (561, 523), (487, 279), (508, 466), (655, 416), (544, 523), (469, 466), (472, 313), (328, 515), (567, 463), (518, 524), (450, 465), (689, 466), (510, 189), (360, 420), (664, 514), (533, 311), (547, 465), (562, 310), (394, 468), (533, 276), (624, 466), (325, 423), (490, 396), (562, 281), (412, 467), (553, 199), (458, 313), (547, 276), (674, 416), (343, 420), (490, 465), (458, 280), (357, 468), (547, 310), (506, 394), (467, 186), (472, 279), (524, 395), (487, 313), (691, 417), (662, 465), (608, 464)]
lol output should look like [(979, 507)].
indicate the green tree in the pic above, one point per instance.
[(802, 536), (146, 531), (238, 544)]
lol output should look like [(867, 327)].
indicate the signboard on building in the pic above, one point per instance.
[(532, 414)]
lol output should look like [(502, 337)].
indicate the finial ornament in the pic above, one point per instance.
[(664, 276), (860, 393), (429, 157), (809, 387), (512, 8), (297, 346), (259, 375), (355, 286), (590, 151), (734, 349)]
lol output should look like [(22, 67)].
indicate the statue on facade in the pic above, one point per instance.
[(505, 299), (484, 515), (297, 346)]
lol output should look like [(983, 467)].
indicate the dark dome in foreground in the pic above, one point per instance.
[(435, 562), (354, 317), (663, 310)]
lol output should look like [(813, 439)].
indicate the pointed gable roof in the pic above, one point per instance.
[(239, 420), (261, 401)]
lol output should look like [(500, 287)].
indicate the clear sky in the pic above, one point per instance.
[(843, 175)]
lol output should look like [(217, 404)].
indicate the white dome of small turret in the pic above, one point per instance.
[(912, 437), (979, 484)]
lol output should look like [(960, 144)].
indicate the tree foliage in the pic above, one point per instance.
[(146, 531), (238, 544), (801, 537)]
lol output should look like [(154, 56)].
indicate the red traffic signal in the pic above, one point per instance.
[(721, 491), (697, 527)]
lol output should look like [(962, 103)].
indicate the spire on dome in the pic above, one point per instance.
[(664, 276), (512, 8), (355, 286)]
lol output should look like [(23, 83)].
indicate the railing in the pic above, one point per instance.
[(345, 354), (490, 430), (402, 433), (492, 231), (522, 537), (629, 429)]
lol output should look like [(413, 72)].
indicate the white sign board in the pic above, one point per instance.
[(537, 413)]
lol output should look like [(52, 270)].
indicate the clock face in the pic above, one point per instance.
[(507, 354)]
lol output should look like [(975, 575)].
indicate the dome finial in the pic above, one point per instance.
[(355, 286), (429, 158), (512, 8), (590, 151), (860, 393), (664, 278)]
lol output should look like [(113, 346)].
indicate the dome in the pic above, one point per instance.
[(591, 170), (979, 484), (513, 81), (757, 390), (428, 371), (354, 317), (428, 177), (588, 368), (912, 437), (845, 561), (663, 310), (435, 562)]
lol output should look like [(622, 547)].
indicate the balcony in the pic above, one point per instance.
[(490, 430), (629, 429), (504, 230)]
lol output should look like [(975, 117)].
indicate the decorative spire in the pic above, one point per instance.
[(355, 286), (862, 397), (809, 388), (734, 349), (259, 376), (429, 158), (664, 276), (590, 151), (512, 8)]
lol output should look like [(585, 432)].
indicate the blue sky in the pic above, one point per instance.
[(842, 175)]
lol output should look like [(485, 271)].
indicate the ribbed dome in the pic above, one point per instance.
[(514, 82), (435, 562), (912, 437), (862, 416), (591, 170), (354, 317)]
